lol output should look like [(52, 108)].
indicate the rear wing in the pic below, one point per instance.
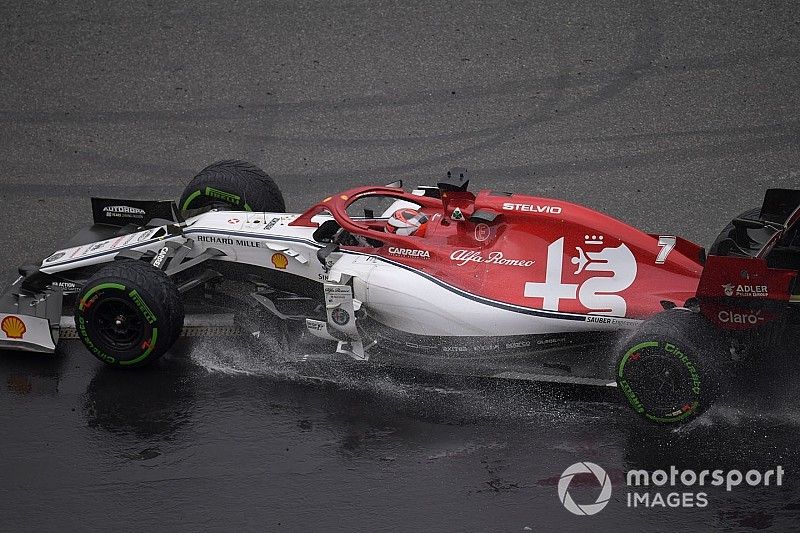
[(773, 229), (779, 205), (749, 279)]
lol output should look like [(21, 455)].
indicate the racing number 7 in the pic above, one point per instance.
[(667, 243)]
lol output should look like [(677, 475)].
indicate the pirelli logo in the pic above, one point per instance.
[(222, 195), (148, 314)]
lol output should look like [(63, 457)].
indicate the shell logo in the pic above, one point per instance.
[(280, 261), (13, 327)]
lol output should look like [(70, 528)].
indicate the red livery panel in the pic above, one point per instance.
[(532, 252)]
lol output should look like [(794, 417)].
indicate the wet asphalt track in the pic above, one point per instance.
[(670, 116)]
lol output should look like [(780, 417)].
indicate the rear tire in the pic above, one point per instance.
[(233, 184), (672, 367), (129, 314)]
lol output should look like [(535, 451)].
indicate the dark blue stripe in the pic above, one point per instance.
[(481, 299)]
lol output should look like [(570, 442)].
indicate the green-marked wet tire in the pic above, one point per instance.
[(129, 314), (672, 367), (236, 185)]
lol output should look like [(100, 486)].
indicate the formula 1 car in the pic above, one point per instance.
[(501, 285)]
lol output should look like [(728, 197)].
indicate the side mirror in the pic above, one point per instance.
[(323, 253)]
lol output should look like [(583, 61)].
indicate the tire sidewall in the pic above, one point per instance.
[(201, 195), (150, 314), (684, 358)]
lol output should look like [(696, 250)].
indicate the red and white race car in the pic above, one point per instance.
[(493, 284)]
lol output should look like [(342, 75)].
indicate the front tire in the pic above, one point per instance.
[(129, 314), (672, 367)]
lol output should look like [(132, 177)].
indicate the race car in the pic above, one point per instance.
[(488, 284)]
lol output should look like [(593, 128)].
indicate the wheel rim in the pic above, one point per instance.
[(119, 323), (662, 385)]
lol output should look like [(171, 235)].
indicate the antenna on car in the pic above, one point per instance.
[(397, 184)]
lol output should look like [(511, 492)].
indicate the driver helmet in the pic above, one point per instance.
[(407, 222)]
